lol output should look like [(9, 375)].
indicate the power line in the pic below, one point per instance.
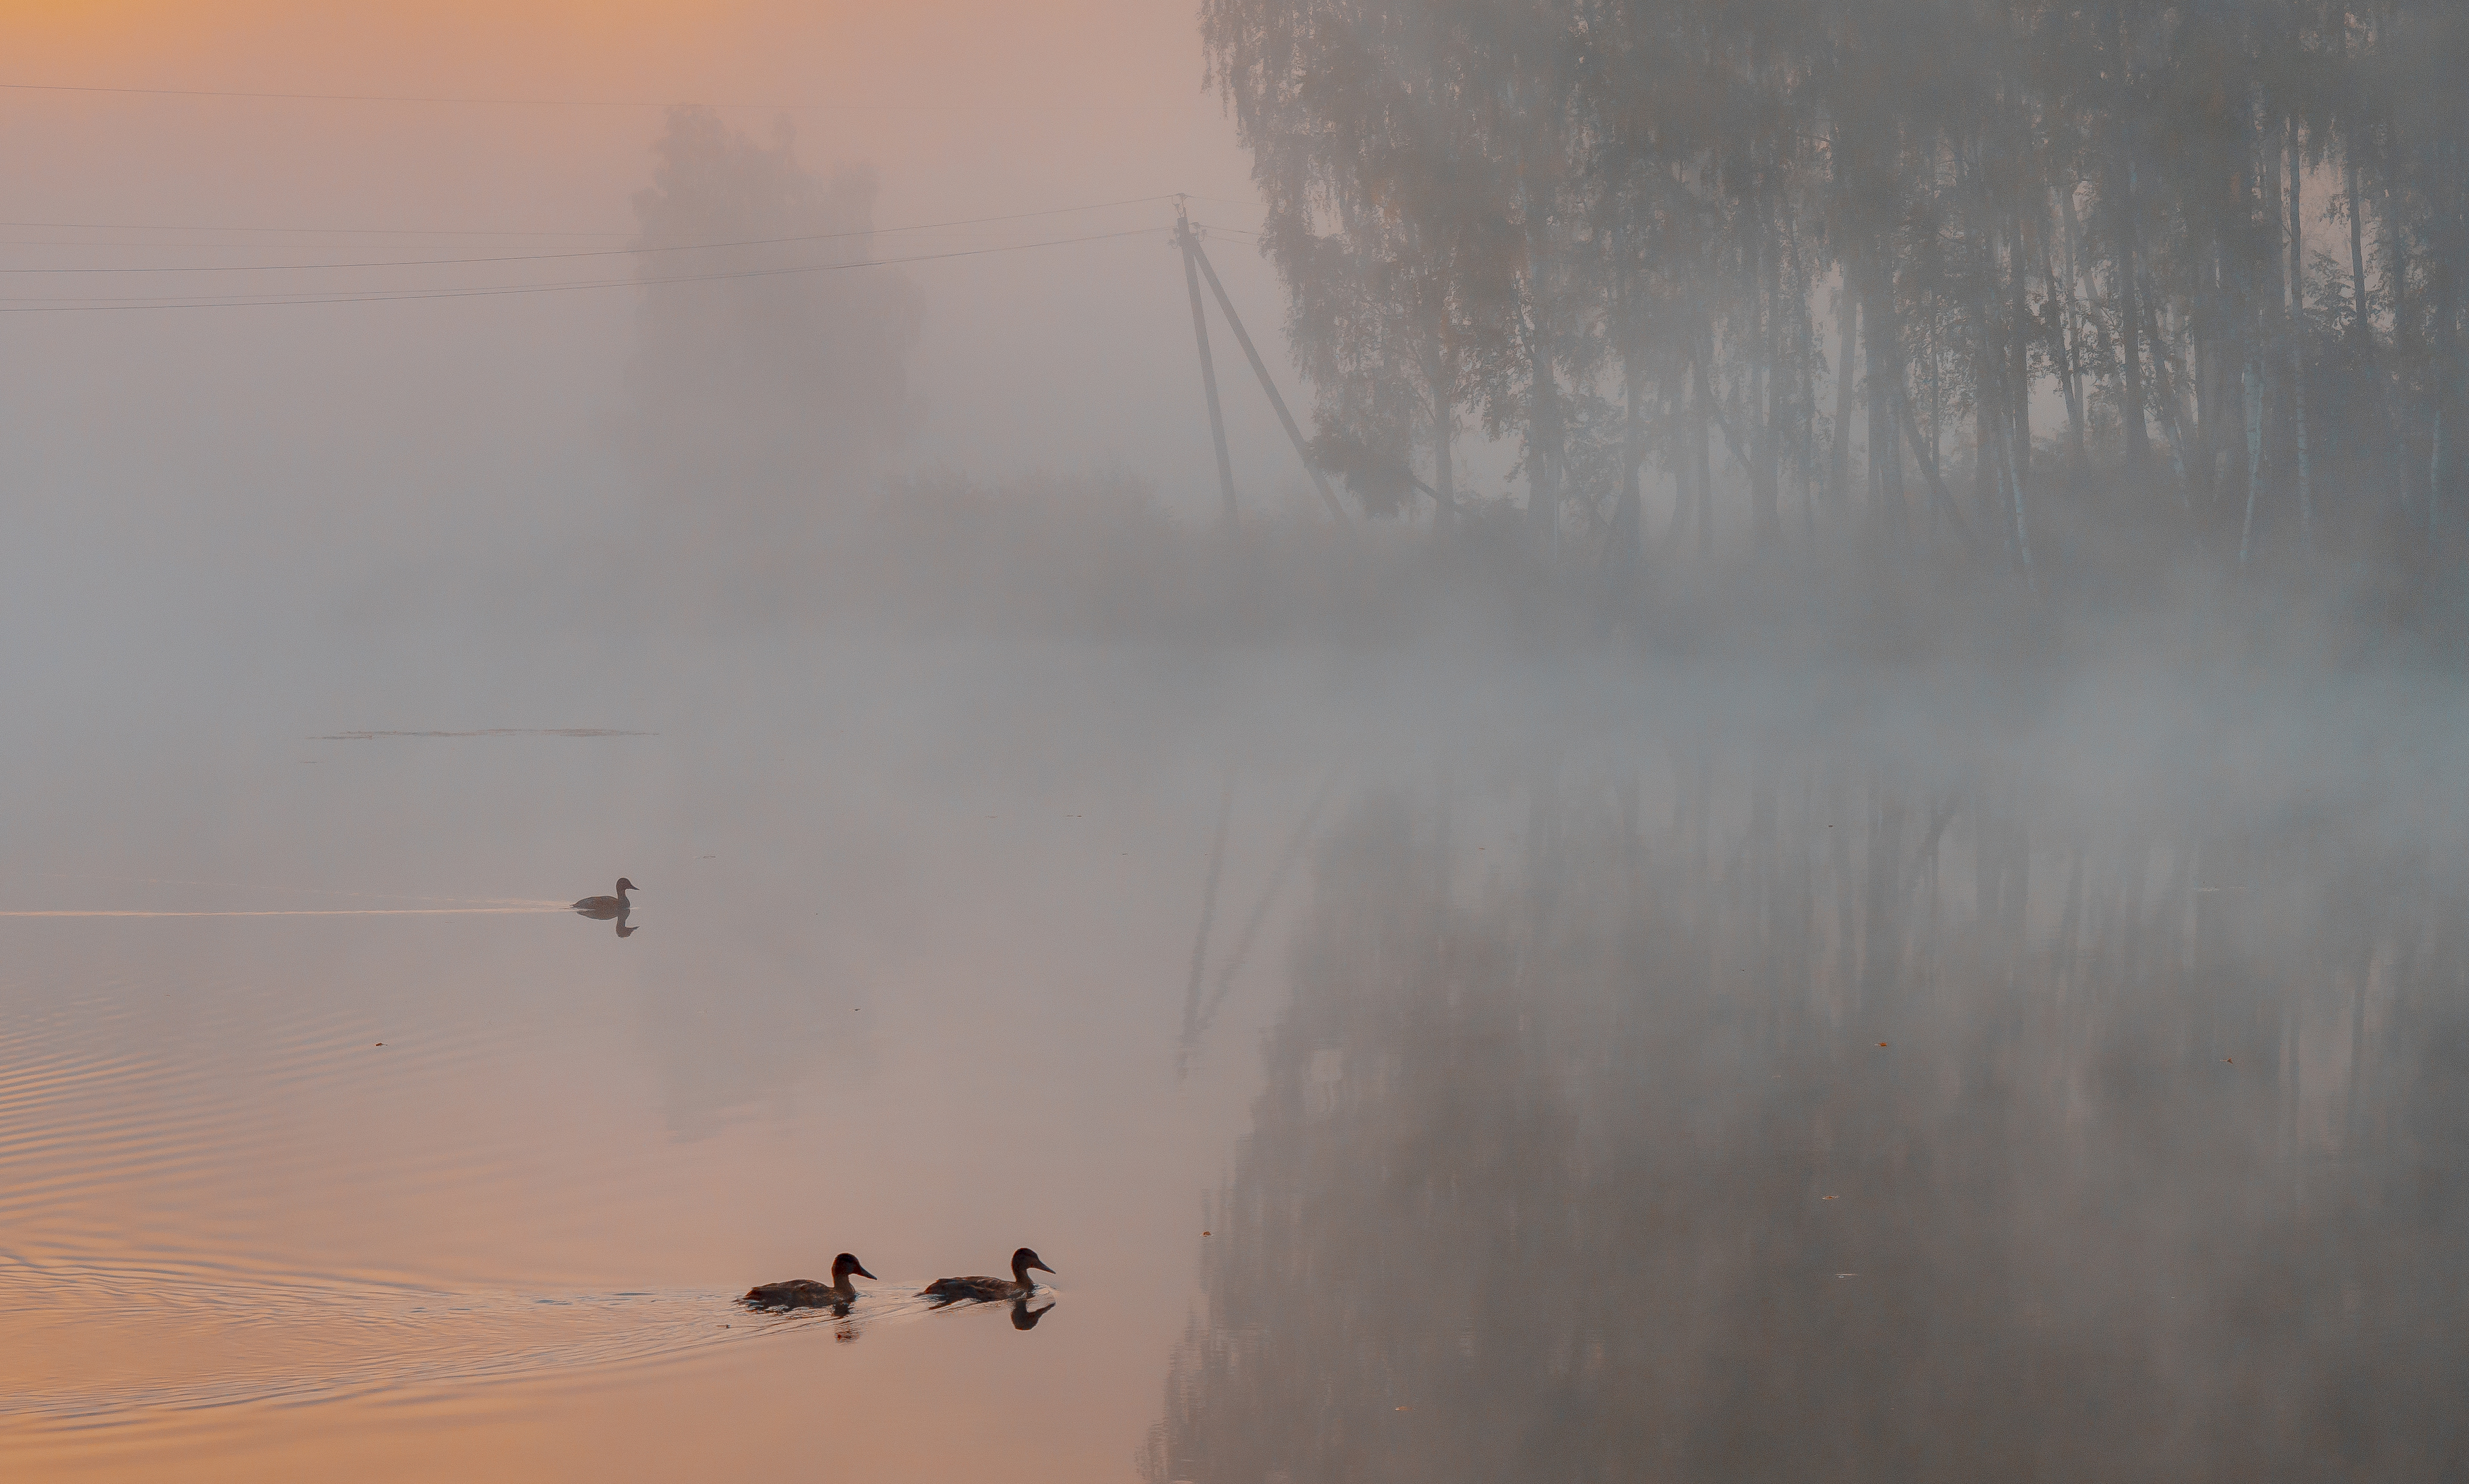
[(593, 252), (73, 305), (116, 242), (142, 226), (161, 226), (483, 103)]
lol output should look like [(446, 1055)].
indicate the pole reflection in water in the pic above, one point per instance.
[(1802, 1120)]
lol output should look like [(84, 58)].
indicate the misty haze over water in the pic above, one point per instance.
[(1779, 795)]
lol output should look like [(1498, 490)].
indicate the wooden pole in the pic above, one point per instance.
[(1208, 368), (1260, 369)]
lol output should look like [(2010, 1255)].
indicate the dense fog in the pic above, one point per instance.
[(1828, 631)]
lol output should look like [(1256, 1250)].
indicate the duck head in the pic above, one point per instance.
[(1022, 1261), (845, 1264), (624, 886)]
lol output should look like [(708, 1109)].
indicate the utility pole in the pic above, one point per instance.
[(1259, 368), (1207, 366)]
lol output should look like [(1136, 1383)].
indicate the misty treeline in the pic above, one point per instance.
[(1787, 1113), (766, 409), (759, 389), (2022, 281)]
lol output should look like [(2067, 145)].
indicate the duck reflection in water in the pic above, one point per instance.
[(1023, 1317)]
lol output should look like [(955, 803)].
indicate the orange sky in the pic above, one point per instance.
[(969, 95), (1056, 359), (384, 433)]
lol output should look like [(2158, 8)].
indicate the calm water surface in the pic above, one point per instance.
[(1577, 1080), (435, 1177)]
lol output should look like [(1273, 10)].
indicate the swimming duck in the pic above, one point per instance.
[(952, 1291), (607, 906), (806, 1292)]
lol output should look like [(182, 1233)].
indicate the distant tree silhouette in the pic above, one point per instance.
[(760, 389)]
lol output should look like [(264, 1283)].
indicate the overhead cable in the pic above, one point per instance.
[(592, 252), (466, 101), (388, 296)]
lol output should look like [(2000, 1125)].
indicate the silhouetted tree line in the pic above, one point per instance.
[(1961, 274), (751, 384), (1806, 1116)]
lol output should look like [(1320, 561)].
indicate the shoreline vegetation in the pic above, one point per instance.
[(2023, 283), (1098, 557)]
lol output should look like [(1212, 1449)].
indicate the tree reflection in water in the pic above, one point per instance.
[(1827, 1126)]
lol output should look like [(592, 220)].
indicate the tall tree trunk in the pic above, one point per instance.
[(2445, 286), (2271, 308), (2122, 218), (2165, 396), (2297, 337), (1839, 456), (2396, 290), (1988, 403), (1543, 447), (2360, 328), (1884, 365), (2130, 328), (1764, 336), (2070, 340), (1628, 516), (1803, 383), (1700, 453), (2254, 386), (2018, 420), (2450, 246), (2201, 328), (2019, 343)]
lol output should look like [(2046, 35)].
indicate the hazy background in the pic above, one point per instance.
[(973, 764), (259, 464)]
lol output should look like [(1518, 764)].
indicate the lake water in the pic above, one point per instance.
[(1588, 1072)]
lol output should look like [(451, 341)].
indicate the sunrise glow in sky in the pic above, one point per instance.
[(964, 109)]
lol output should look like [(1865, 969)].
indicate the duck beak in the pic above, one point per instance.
[(1042, 1268), (863, 1273)]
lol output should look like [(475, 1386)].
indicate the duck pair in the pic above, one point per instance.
[(807, 1293)]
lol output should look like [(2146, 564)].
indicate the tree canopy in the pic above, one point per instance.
[(2005, 278)]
